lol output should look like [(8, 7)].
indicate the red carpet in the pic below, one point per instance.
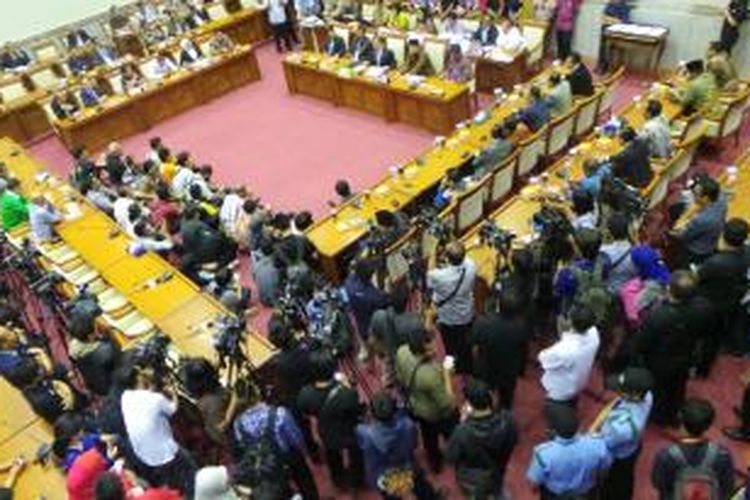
[(288, 150), (291, 150)]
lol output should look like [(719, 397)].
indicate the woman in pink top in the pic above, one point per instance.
[(565, 20)]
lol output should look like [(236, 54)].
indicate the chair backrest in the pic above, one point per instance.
[(45, 78), (560, 131), (678, 165), (115, 83), (216, 10), (46, 51), (657, 191), (343, 32), (470, 206), (12, 90), (435, 50), (397, 44), (535, 34), (530, 151), (587, 112), (732, 118), (693, 126), (396, 262), (502, 180), (609, 87), (469, 25), (368, 12)]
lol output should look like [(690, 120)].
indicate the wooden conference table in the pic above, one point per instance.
[(24, 119), (177, 307), (122, 116), (335, 235), (516, 214), (436, 105), (22, 433)]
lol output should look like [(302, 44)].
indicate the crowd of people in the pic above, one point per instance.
[(590, 296)]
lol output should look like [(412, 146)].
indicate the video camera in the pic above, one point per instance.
[(154, 353), (552, 223), (329, 324), (429, 221), (490, 233), (229, 340)]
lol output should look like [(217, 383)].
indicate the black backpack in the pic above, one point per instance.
[(263, 466)]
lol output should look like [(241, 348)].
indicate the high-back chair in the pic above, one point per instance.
[(531, 151), (397, 44), (502, 180), (216, 10), (560, 131), (435, 50), (587, 112), (730, 122), (470, 205), (609, 87)]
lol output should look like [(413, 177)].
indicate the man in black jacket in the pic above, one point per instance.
[(337, 409), (499, 341), (581, 83), (665, 344), (481, 446), (734, 15), (633, 164), (723, 281)]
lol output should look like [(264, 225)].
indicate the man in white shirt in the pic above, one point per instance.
[(567, 364), (656, 131), (42, 219), (452, 289), (280, 25), (182, 181), (121, 208), (146, 413), (510, 38)]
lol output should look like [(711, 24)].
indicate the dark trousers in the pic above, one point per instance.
[(620, 478), (178, 474), (301, 475), (729, 36), (431, 432), (745, 411), (349, 474), (669, 394), (455, 339), (564, 44), (282, 32)]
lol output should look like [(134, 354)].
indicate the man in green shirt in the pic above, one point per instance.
[(497, 150), (700, 89), (429, 392), (14, 207)]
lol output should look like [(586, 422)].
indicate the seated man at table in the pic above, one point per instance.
[(487, 33), (457, 66), (14, 58), (699, 91), (64, 105), (79, 61), (383, 56), (416, 61), (656, 131), (633, 164), (190, 53), (560, 96), (581, 83), (361, 47), (499, 149), (509, 37), (164, 65), (104, 55), (77, 38), (335, 46), (90, 96), (220, 43), (536, 114)]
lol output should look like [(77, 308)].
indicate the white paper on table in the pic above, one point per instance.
[(72, 211)]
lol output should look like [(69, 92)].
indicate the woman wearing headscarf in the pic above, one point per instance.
[(642, 293)]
